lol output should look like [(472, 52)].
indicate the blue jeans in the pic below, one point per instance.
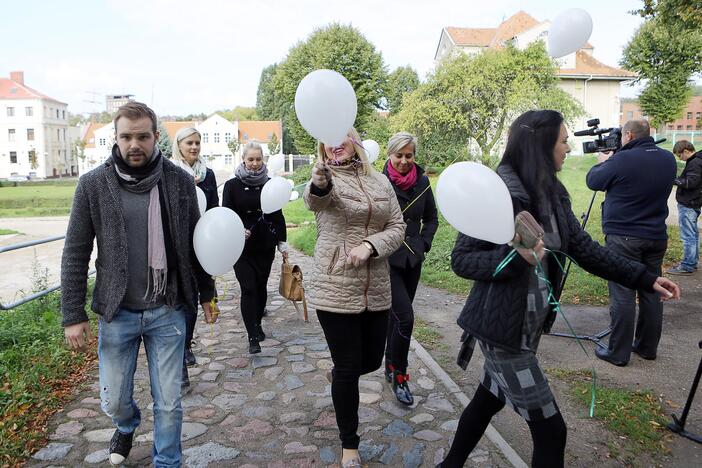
[(163, 332), (690, 236)]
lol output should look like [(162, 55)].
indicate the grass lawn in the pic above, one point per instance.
[(582, 287), (4, 232), (38, 200)]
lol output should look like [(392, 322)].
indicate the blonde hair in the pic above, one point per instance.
[(360, 151), (400, 140), (181, 135), (252, 145)]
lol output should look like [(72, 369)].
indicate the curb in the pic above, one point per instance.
[(491, 433)]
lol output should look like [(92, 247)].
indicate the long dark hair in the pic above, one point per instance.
[(529, 152)]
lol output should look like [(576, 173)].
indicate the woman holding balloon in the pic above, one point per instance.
[(359, 224), (513, 300), (416, 200), (186, 155), (263, 233)]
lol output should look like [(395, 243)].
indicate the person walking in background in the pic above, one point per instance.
[(508, 309), (416, 201), (142, 210), (359, 225), (264, 233), (637, 180), (186, 155), (689, 198)]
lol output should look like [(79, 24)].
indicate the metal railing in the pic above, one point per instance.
[(38, 294)]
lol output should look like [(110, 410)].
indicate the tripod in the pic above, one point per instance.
[(678, 425), (597, 337)]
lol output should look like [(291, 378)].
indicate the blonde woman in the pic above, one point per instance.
[(359, 224)]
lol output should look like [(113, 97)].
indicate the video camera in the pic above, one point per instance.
[(608, 139)]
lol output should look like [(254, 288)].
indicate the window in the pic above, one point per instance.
[(32, 159), (11, 134), (58, 133), (205, 138), (29, 111), (63, 115), (10, 111), (689, 127), (13, 157), (698, 115), (689, 116), (630, 115), (227, 137), (64, 134), (216, 137), (670, 127), (246, 136), (57, 113), (679, 127), (30, 134), (227, 159), (102, 142)]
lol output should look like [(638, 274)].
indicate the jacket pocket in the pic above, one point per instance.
[(334, 259)]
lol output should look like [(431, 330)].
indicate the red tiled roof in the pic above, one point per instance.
[(586, 64), (10, 89), (471, 37), (89, 137), (173, 127), (259, 130), (515, 24)]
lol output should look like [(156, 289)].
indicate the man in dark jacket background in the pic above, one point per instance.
[(637, 180), (142, 210), (689, 198)]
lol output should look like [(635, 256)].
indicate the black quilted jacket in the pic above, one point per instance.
[(494, 310)]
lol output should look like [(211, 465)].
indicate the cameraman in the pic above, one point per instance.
[(637, 179), (689, 198)]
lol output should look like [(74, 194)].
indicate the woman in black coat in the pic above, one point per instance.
[(186, 155), (507, 311), (419, 210), (264, 233)]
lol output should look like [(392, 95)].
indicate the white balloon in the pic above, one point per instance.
[(475, 201), (569, 32), (291, 182), (325, 105), (201, 200), (372, 149), (218, 240), (275, 194), (294, 195), (276, 164)]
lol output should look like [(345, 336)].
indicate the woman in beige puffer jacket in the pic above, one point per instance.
[(359, 224)]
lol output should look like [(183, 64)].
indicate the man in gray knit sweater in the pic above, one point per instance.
[(142, 210)]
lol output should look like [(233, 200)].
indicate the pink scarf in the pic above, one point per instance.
[(406, 181)]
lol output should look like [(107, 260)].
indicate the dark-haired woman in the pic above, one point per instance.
[(507, 312)]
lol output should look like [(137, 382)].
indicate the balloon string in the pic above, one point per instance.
[(417, 198)]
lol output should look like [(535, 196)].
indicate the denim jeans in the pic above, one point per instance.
[(163, 332), (690, 236)]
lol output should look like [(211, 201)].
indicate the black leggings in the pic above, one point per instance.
[(548, 435), (356, 343), (252, 271), (401, 319)]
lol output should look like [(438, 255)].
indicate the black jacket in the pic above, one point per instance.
[(245, 200), (494, 310), (689, 192), (638, 179), (421, 219), (209, 186)]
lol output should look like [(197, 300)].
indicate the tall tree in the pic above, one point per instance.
[(470, 100), (239, 113), (335, 47), (665, 57), (682, 14), (266, 104), (164, 141), (401, 81), (273, 145)]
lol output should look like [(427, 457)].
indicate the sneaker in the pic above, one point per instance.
[(679, 270), (254, 347), (120, 445), (401, 388), (190, 360)]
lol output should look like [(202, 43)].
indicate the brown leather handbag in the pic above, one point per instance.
[(291, 287)]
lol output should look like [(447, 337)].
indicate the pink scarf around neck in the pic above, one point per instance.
[(404, 181)]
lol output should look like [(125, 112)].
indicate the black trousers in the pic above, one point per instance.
[(252, 271), (356, 343), (622, 307), (190, 321), (404, 283)]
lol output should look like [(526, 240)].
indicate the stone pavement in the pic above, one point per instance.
[(273, 409)]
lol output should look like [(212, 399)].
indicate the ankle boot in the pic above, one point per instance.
[(389, 369), (401, 388), (254, 347)]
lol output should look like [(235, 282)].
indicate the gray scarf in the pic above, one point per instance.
[(253, 178), (143, 180)]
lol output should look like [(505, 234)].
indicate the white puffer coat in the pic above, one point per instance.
[(359, 207)]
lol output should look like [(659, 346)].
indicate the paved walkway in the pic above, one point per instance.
[(273, 409)]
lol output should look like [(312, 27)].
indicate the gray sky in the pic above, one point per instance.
[(199, 56)]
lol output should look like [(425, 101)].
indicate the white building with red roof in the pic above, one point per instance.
[(35, 138), (594, 84)]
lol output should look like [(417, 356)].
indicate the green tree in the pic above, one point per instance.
[(378, 129), (274, 145), (78, 148), (682, 14), (164, 141), (336, 47), (469, 101), (239, 113), (233, 145), (266, 105), (665, 58), (401, 81)]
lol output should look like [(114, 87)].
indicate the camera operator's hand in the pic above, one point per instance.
[(666, 288), (602, 157)]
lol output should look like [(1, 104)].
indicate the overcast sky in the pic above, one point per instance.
[(187, 57)]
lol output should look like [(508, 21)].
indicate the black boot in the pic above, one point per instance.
[(401, 388), (254, 347), (189, 357), (388, 371), (259, 332)]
